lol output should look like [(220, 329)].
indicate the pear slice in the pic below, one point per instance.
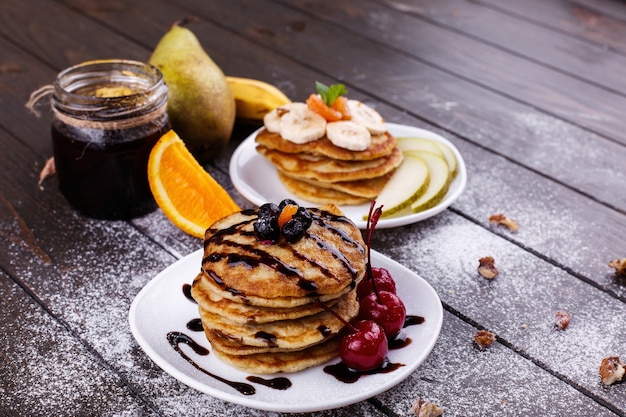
[(420, 145), (449, 157), (406, 185), (440, 178)]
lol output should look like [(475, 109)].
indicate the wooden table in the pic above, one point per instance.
[(532, 93)]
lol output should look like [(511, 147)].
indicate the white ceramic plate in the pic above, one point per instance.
[(161, 307), (256, 179)]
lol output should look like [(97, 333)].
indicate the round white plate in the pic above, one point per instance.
[(161, 307), (256, 179)]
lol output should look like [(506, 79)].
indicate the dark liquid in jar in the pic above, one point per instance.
[(103, 173)]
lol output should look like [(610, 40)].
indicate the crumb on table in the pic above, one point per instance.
[(503, 220), (484, 338), (423, 408), (612, 370), (619, 265), (487, 267)]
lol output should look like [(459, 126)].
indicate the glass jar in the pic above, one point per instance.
[(108, 114)]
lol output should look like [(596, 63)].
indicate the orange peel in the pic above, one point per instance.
[(187, 194)]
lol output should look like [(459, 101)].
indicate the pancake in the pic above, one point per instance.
[(305, 190), (329, 259), (381, 146), (207, 284), (210, 299), (325, 169), (292, 334), (367, 189), (279, 362)]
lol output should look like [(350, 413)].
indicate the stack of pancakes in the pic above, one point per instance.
[(321, 172), (257, 301)]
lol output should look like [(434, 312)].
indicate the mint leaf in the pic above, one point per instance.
[(330, 93)]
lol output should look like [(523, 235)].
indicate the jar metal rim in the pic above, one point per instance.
[(152, 94)]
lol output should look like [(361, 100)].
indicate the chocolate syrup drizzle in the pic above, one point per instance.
[(252, 256), (176, 338), (187, 292), (195, 325)]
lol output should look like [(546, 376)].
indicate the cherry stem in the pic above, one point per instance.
[(323, 306), (372, 220)]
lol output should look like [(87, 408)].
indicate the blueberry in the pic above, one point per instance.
[(266, 229), (304, 216), (293, 230), (285, 202), (269, 210)]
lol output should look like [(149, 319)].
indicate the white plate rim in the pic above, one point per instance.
[(404, 278), (245, 155)]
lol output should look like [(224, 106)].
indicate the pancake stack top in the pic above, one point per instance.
[(342, 158), (257, 299)]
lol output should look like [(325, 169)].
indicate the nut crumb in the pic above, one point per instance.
[(524, 326), (487, 267), (619, 265), (562, 319), (484, 338), (612, 370), (504, 221), (423, 408)]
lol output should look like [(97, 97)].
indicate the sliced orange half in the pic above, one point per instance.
[(187, 194)]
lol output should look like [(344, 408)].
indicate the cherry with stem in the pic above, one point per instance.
[(382, 306), (375, 276), (365, 347)]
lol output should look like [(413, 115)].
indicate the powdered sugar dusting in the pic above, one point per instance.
[(518, 305), (493, 382), (553, 220), (598, 171), (51, 370)]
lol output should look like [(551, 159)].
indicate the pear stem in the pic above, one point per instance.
[(184, 21)]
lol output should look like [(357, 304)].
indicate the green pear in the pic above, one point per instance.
[(440, 178), (406, 185), (200, 104)]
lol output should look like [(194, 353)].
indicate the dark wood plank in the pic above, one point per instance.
[(39, 353), (576, 57), (600, 22), (520, 304), (55, 43)]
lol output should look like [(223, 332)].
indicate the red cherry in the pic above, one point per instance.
[(382, 279), (366, 348), (386, 309)]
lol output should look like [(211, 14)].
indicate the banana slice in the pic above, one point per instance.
[(302, 125), (366, 116), (272, 119), (349, 135)]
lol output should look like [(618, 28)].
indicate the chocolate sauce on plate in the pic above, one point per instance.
[(195, 325), (187, 292), (345, 374), (176, 338), (280, 383)]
